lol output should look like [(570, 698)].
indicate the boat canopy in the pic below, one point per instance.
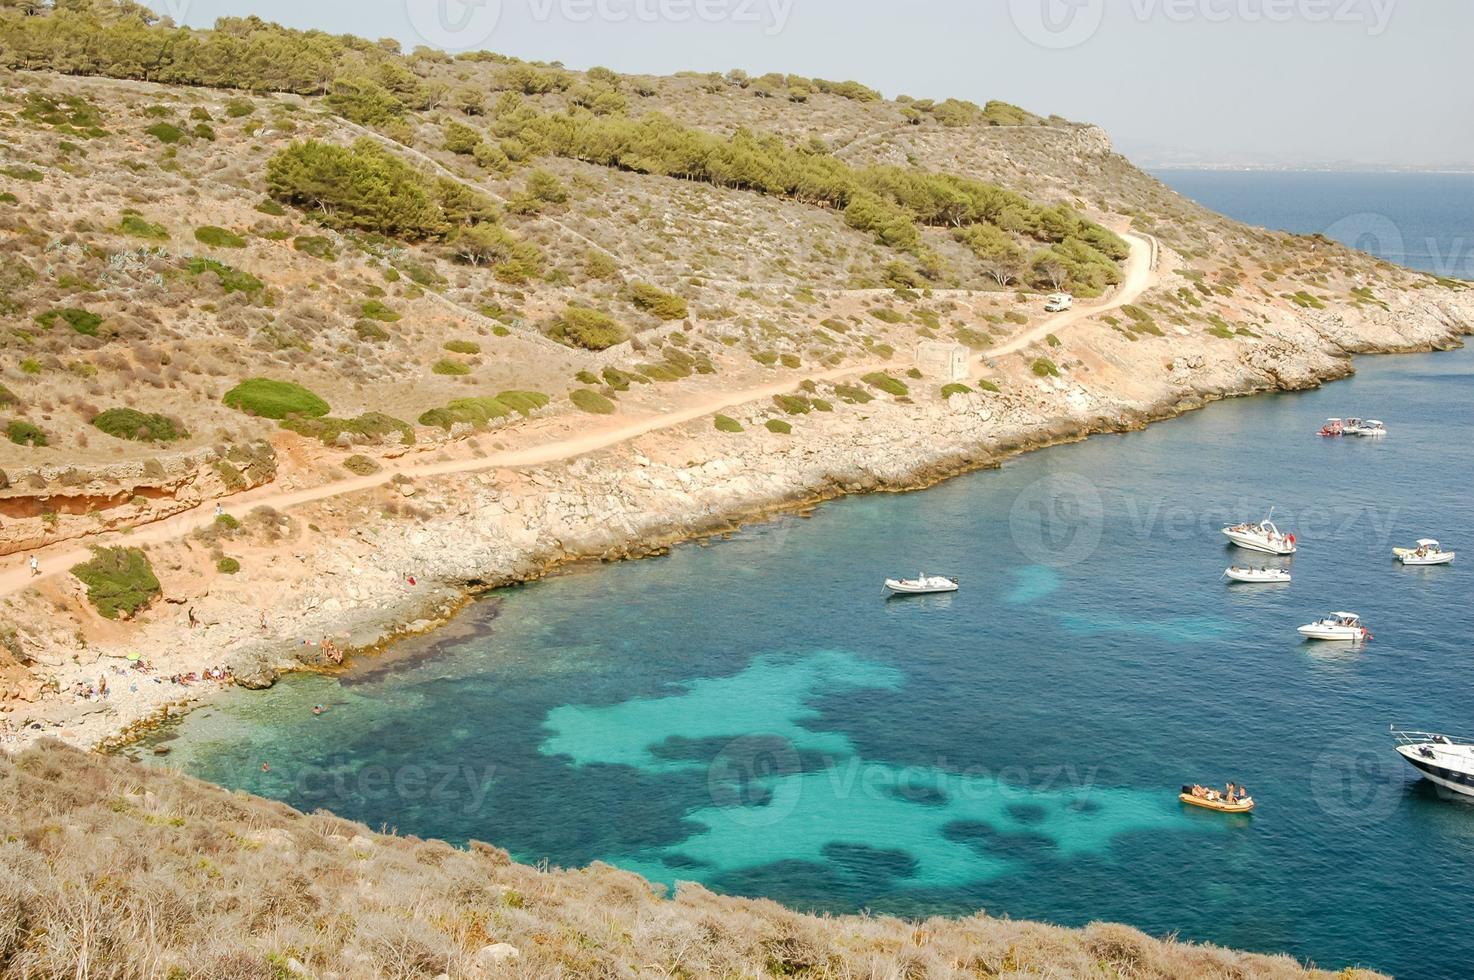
[(1428, 543), (1345, 615)]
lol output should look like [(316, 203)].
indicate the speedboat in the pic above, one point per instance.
[(1337, 626), (921, 585), (1428, 552), (1442, 760), (1215, 800), (1371, 427), (1332, 428), (1258, 576), (1263, 536)]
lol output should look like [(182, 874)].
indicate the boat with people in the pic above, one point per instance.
[(1264, 536), (1332, 429), (1428, 552), (1370, 428), (1443, 760), (1257, 576), (1232, 799), (1338, 626), (922, 585)]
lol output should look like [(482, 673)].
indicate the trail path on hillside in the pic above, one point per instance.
[(593, 434)]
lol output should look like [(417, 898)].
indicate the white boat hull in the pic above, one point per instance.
[(1258, 576), (1445, 772), (910, 588), (1333, 634), (1445, 558), (1255, 542)]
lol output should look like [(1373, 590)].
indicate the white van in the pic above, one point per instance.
[(1059, 302)]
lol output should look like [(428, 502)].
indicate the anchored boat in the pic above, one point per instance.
[(1428, 552), (1371, 428), (1258, 576), (1441, 759), (1333, 428), (1343, 626), (922, 585), (1211, 799), (1263, 536)]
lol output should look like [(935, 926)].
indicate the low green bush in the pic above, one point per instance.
[(227, 566), (658, 302), (218, 237), (462, 347), (524, 403), (82, 321), (985, 385), (779, 426), (166, 133), (887, 384), (955, 389), (725, 423), (361, 465), (269, 399), (1045, 368), (591, 401), (853, 394), (136, 226), (370, 426), (794, 404), (887, 315), (582, 326), (23, 433), (317, 246), (127, 423), (120, 581), (375, 310), (232, 280), (454, 369)]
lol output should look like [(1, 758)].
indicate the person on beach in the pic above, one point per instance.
[(219, 511), (193, 620), (35, 564)]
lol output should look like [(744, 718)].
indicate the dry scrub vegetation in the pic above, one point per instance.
[(396, 231), (111, 869)]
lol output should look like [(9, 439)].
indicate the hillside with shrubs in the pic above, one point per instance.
[(428, 245)]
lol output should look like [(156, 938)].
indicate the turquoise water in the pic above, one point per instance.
[(754, 715)]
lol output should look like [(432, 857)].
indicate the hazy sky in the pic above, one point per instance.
[(1368, 82)]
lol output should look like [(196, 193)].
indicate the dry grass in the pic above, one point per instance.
[(109, 869)]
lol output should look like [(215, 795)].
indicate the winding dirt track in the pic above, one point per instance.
[(58, 558)]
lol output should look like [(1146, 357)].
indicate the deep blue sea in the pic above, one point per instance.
[(753, 714)]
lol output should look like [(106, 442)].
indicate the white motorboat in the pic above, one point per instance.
[(1263, 536), (1441, 759), (1258, 576), (1428, 552), (1371, 427), (1342, 626), (921, 585)]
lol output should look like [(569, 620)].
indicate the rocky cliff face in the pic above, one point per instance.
[(51, 504)]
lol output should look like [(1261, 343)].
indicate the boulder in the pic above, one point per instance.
[(489, 960)]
